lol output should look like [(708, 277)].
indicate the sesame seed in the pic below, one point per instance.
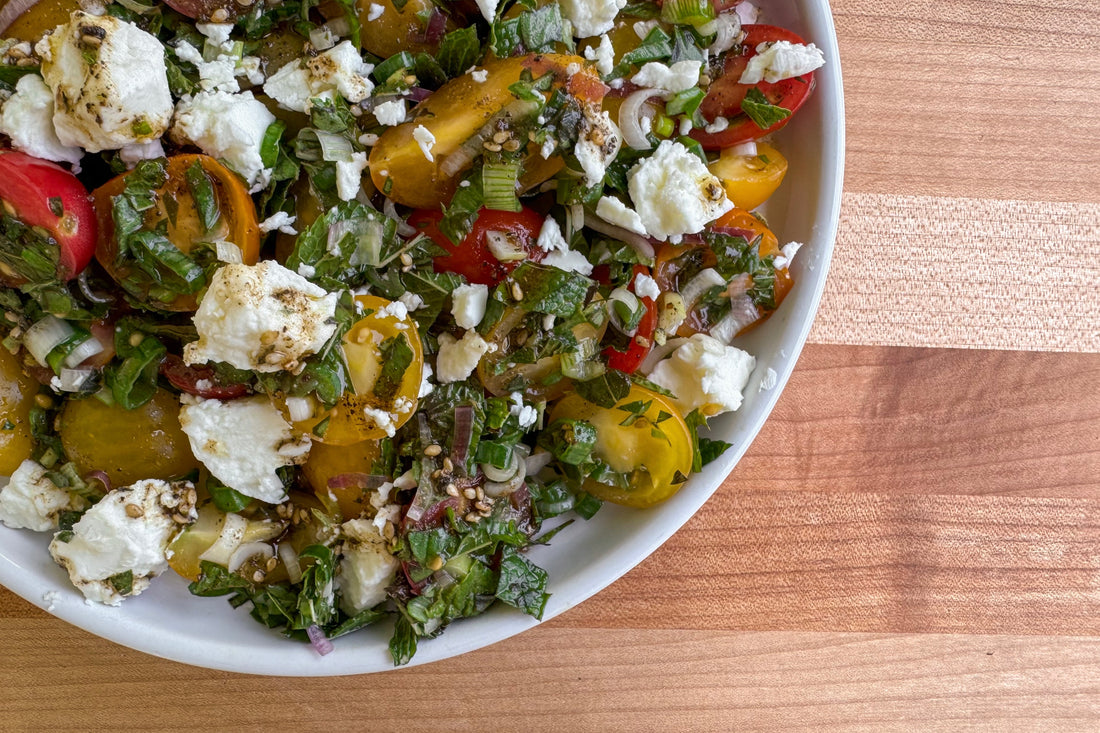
[(258, 576), (492, 147), (435, 563), (481, 506), (501, 137), (192, 496), (512, 146), (271, 563), (180, 519), (44, 401), (136, 338), (220, 15), (448, 466), (480, 493), (134, 511), (472, 518), (406, 259), (433, 450), (437, 473), (470, 494), (517, 292), (275, 357), (90, 40)]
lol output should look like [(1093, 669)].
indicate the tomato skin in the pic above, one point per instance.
[(472, 259), (628, 361), (238, 220), (28, 184), (725, 94), (187, 378)]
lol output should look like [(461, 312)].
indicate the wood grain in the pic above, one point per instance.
[(554, 678), (954, 272), (972, 99)]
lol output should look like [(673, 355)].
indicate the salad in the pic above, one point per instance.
[(329, 307)]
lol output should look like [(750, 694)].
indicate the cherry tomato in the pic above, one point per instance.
[(725, 94), (473, 259), (43, 194), (654, 450), (200, 380), (236, 223), (328, 461), (750, 180), (628, 361), (362, 413), (17, 392)]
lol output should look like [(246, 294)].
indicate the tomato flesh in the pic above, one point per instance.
[(725, 94), (28, 185), (473, 259), (628, 361)]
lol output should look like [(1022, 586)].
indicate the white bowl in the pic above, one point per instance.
[(169, 622)]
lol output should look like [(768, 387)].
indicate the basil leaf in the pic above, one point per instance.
[(396, 357), (550, 290), (522, 584), (460, 216), (202, 191), (761, 111), (606, 390)]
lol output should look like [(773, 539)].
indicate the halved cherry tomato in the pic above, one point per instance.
[(725, 94), (750, 180), (329, 461), (473, 259), (363, 413), (43, 194), (644, 437), (175, 204), (628, 361), (200, 380)]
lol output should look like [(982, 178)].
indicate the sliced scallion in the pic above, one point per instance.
[(498, 181)]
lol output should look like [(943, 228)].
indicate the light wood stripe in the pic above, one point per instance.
[(554, 679), (867, 562), (948, 272)]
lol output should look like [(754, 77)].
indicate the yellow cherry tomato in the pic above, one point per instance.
[(375, 404), (750, 180), (328, 461), (17, 392), (128, 445), (643, 436)]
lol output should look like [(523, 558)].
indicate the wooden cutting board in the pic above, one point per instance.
[(913, 541)]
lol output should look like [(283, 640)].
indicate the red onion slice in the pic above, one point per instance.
[(101, 477), (354, 480), (318, 639), (630, 114), (641, 244), (464, 430)]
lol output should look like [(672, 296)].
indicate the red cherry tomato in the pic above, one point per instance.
[(473, 259), (725, 94), (200, 380), (35, 190), (628, 361)]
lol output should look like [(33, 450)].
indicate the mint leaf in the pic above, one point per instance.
[(761, 111)]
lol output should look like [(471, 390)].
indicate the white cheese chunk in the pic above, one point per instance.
[(262, 317), (679, 77), (603, 55), (31, 501), (488, 9), (284, 223), (674, 193), (781, 60), (559, 255), (458, 358), (243, 442), (339, 70), (468, 304), (227, 126), (374, 11), (597, 145), (786, 254), (349, 176), (426, 140), (705, 374), (131, 155), (367, 567), (591, 17), (390, 113), (646, 287), (27, 118), (121, 97), (614, 211), (128, 530), (217, 73)]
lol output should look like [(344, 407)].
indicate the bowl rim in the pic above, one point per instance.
[(280, 659)]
